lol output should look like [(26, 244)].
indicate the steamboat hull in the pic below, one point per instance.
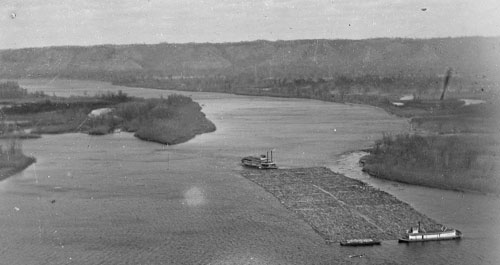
[(437, 236)]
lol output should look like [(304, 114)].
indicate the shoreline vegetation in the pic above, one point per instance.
[(13, 160), (453, 148), (23, 115), (454, 162)]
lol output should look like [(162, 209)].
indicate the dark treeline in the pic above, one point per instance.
[(12, 90), (444, 153), (453, 118), (462, 162), (57, 104), (339, 88)]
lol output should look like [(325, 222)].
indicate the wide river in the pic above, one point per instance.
[(117, 200)]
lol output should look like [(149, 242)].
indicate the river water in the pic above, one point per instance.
[(117, 200)]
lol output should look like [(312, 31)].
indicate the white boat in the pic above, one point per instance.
[(415, 234)]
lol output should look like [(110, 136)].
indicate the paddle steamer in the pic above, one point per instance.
[(262, 162)]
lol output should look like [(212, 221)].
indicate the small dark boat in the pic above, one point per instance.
[(262, 162), (415, 234), (360, 242)]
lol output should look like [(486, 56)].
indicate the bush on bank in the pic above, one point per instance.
[(12, 159)]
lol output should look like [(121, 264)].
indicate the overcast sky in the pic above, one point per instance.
[(30, 23)]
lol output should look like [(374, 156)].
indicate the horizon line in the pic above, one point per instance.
[(247, 41)]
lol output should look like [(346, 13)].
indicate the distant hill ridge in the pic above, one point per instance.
[(475, 56)]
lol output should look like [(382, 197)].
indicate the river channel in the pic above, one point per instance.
[(115, 199)]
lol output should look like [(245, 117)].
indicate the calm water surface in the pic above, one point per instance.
[(117, 200)]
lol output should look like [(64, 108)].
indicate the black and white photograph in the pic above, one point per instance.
[(150, 132)]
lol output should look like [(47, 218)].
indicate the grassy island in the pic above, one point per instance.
[(171, 120)]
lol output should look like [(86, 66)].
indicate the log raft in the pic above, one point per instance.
[(339, 208)]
